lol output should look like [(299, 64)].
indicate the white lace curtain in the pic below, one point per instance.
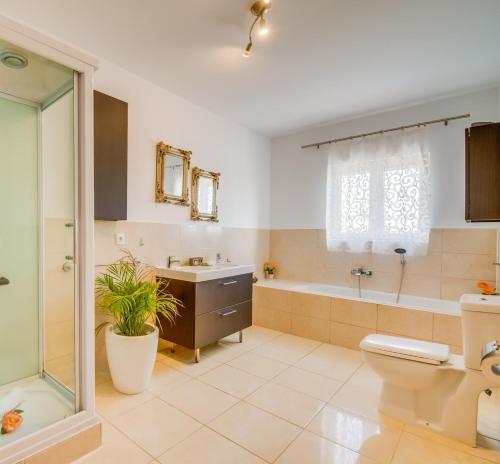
[(378, 194)]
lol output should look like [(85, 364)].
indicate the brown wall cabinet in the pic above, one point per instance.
[(110, 158), (482, 173), (212, 310)]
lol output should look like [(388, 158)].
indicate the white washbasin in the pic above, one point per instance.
[(203, 273)]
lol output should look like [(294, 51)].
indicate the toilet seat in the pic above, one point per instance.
[(405, 348)]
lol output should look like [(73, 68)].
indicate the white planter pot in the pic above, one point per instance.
[(131, 359)]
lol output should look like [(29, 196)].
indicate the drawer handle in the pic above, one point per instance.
[(231, 282), (228, 313)]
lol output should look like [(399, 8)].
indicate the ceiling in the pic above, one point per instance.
[(324, 60), (39, 82)]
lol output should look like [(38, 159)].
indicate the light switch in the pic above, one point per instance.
[(120, 239)]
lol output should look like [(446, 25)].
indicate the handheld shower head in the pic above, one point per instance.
[(402, 254)]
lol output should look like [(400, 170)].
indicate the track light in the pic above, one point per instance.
[(258, 9)]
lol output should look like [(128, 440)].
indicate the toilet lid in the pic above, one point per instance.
[(407, 348)]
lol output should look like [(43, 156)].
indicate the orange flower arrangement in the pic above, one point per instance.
[(486, 288)]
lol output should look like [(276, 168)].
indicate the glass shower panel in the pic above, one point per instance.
[(59, 219), (19, 247)]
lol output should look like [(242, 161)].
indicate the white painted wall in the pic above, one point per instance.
[(239, 154), (299, 176)]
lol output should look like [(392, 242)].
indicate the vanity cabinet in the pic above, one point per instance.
[(482, 173), (213, 309), (110, 158)]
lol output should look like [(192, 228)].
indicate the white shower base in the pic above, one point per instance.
[(44, 403)]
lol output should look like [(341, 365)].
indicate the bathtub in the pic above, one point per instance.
[(337, 315), (371, 296)]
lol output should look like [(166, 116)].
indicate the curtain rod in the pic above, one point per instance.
[(418, 124)]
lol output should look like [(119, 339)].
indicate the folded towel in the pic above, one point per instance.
[(11, 400)]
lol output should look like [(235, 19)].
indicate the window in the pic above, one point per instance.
[(378, 195)]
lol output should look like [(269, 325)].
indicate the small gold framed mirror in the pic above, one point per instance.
[(172, 168), (204, 186)]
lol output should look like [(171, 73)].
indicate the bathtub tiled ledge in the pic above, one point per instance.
[(336, 315)]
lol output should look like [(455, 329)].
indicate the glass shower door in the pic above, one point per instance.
[(19, 246)]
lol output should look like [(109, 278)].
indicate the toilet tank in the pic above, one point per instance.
[(480, 326)]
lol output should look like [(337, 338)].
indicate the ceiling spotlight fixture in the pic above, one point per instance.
[(258, 9)]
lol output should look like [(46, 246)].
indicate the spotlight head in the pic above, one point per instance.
[(248, 50), (263, 28)]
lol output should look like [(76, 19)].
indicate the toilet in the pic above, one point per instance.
[(424, 384)]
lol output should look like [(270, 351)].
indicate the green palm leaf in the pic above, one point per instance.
[(128, 293)]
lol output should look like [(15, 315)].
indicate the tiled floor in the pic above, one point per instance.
[(275, 398)]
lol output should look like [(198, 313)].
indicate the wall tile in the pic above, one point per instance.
[(69, 450), (354, 312), (475, 241), (304, 304), (272, 319), (311, 327), (429, 265), (272, 298), (347, 335), (468, 266), (447, 329), (402, 321), (453, 289), (421, 285)]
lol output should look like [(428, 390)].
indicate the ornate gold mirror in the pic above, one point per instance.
[(204, 185), (172, 168)]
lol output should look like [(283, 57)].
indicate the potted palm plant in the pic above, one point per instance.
[(128, 293)]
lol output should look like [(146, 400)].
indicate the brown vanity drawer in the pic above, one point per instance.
[(222, 322), (221, 293)]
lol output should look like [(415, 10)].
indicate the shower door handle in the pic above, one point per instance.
[(4, 281)]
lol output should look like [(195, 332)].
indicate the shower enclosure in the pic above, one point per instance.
[(39, 349)]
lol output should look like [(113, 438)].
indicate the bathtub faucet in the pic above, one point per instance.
[(360, 272)]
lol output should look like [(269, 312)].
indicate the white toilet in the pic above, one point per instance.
[(426, 385)]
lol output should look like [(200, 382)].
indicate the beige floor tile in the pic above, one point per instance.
[(116, 449), (155, 426), (257, 431), (207, 447), (110, 402), (287, 348), (334, 362), (288, 404), (311, 449), (315, 385), (416, 450), (199, 400), (362, 435), (184, 362), (223, 352), (232, 381), (261, 333), (258, 365), (165, 378), (486, 448)]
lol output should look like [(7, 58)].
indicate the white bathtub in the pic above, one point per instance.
[(369, 296)]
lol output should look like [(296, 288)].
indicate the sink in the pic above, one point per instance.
[(203, 273)]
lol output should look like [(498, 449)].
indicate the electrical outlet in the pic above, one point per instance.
[(120, 239)]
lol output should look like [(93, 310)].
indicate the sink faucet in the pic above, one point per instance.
[(173, 260)]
